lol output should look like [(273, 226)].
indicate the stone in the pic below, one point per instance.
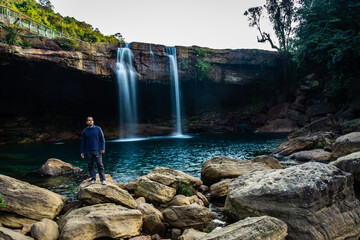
[(55, 167), (8, 234), (46, 229), (278, 126), (278, 111), (108, 179), (153, 224), (203, 198), (320, 110), (346, 144), (217, 168), (35, 202), (193, 199), (179, 200), (264, 227), (154, 192), (175, 233), (101, 220), (26, 229), (188, 216), (317, 155), (140, 200), (203, 188), (220, 189), (147, 209), (13, 220), (172, 178), (315, 200), (110, 193), (349, 163), (141, 238), (191, 234), (273, 163), (131, 186), (296, 145)]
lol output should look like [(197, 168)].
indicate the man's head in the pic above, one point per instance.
[(90, 122)]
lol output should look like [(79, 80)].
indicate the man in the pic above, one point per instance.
[(92, 148)]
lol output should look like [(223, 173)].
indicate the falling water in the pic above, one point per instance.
[(171, 52), (126, 78)]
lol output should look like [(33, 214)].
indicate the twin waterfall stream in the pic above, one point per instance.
[(127, 80)]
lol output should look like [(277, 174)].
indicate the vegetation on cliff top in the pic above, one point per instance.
[(43, 12)]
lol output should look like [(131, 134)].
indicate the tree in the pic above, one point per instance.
[(119, 37), (47, 4), (281, 15)]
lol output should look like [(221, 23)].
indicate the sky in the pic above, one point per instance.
[(217, 24)]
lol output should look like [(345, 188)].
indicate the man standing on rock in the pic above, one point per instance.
[(92, 148)]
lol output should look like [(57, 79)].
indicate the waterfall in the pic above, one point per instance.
[(126, 78), (171, 52)]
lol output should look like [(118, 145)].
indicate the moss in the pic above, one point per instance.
[(184, 189), (321, 143)]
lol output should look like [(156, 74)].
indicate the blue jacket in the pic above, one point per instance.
[(92, 139)]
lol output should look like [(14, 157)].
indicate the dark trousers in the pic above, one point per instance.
[(95, 156)]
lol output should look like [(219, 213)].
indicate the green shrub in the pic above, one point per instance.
[(68, 44), (184, 189), (11, 39), (2, 203), (25, 44)]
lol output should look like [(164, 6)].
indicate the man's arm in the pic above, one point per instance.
[(102, 140)]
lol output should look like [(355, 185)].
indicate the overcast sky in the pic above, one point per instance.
[(208, 23)]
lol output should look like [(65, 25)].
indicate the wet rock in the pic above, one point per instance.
[(172, 178), (9, 234), (189, 216), (54, 167), (46, 229), (273, 163), (110, 193), (217, 168), (278, 126), (220, 189), (13, 220), (191, 234), (153, 224), (346, 144), (315, 200), (35, 202), (316, 155), (154, 192), (264, 227), (101, 220)]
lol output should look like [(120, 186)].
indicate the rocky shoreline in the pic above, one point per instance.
[(261, 200)]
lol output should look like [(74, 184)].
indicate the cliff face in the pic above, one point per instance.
[(50, 82)]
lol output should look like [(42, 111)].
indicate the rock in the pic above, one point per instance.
[(8, 234), (320, 110), (203, 188), (131, 186), (349, 163), (13, 220), (203, 198), (297, 115), (54, 167), (154, 192), (179, 200), (110, 193), (70, 205), (296, 144), (273, 163), (140, 200), (175, 233), (316, 155), (108, 179), (278, 126), (101, 220), (346, 144), (191, 234), (147, 209), (153, 225), (315, 200), (141, 238), (172, 178), (156, 237), (35, 202), (46, 229), (217, 168), (220, 189), (189, 216), (278, 111), (264, 227), (193, 199)]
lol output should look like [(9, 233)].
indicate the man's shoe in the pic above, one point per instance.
[(103, 183), (92, 181)]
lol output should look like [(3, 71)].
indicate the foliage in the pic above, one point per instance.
[(43, 12), (2, 202), (184, 189), (25, 43), (281, 15), (202, 67), (67, 44), (11, 39), (328, 43)]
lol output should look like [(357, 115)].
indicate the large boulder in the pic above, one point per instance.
[(346, 144), (188, 216), (273, 163), (110, 193), (172, 178), (315, 200), (217, 168), (54, 167), (8, 234), (101, 220), (13, 220), (279, 126), (220, 189), (349, 163), (146, 209), (315, 155), (28, 200), (46, 229), (264, 227), (154, 192), (153, 225), (296, 144), (191, 234)]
